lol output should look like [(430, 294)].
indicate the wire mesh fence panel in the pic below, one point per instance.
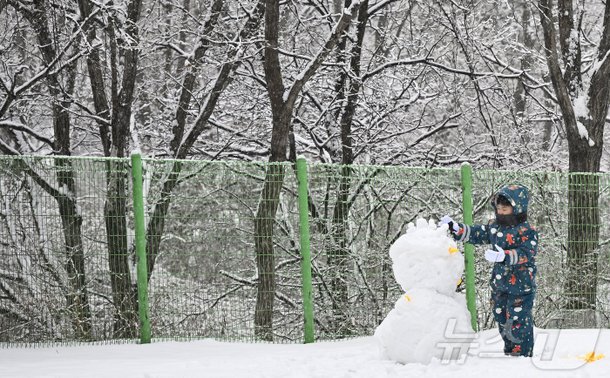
[(223, 247), (223, 250), (356, 213), (65, 263), (573, 258)]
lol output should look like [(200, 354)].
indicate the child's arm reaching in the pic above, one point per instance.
[(475, 234)]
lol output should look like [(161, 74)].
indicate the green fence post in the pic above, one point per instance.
[(305, 252), (467, 209), (140, 231)]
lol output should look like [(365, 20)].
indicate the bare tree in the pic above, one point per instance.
[(582, 94), (348, 87), (282, 102), (184, 137), (113, 115), (61, 85)]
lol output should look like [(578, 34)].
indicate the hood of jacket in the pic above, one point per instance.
[(517, 195)]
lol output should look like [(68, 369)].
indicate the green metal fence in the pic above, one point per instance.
[(65, 250), (222, 244)]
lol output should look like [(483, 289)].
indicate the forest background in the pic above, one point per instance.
[(511, 85)]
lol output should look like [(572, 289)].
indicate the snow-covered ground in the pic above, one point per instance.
[(557, 354)]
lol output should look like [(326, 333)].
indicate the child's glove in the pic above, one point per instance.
[(453, 226), (495, 256)]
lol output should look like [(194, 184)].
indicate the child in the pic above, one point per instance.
[(514, 245)]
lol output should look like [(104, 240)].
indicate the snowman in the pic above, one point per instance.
[(430, 319)]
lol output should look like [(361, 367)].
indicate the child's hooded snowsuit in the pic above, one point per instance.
[(512, 280)]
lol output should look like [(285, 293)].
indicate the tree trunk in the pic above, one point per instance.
[(115, 209), (583, 225), (96, 79), (339, 255), (519, 97), (71, 220), (123, 292), (263, 245), (548, 125), (274, 178), (583, 237), (282, 102), (156, 223), (77, 297)]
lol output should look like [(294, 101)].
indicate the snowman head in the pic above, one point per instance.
[(425, 257)]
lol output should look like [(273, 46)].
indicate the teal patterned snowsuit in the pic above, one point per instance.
[(512, 281)]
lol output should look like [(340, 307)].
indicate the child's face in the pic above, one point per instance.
[(504, 210)]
